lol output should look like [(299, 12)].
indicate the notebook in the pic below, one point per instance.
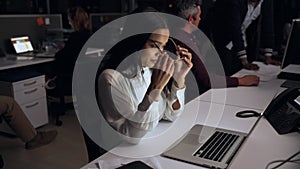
[(207, 146), (23, 47)]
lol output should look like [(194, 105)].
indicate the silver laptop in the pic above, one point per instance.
[(291, 58), (23, 47), (207, 146), (292, 52)]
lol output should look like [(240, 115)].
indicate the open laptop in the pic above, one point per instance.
[(23, 47), (207, 146), (291, 58)]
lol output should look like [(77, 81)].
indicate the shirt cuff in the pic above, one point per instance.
[(176, 93), (268, 52), (241, 54)]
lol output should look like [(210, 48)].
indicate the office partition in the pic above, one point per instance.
[(37, 27)]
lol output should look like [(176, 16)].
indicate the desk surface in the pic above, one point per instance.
[(249, 97), (261, 147), (9, 64), (265, 145), (196, 112)]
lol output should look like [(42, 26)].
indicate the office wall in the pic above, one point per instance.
[(20, 25), (97, 20)]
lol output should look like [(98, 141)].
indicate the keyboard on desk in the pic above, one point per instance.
[(27, 54), (45, 55)]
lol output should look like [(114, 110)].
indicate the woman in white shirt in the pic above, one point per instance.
[(147, 85)]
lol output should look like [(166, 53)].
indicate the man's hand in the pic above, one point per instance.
[(269, 60), (251, 66), (248, 80)]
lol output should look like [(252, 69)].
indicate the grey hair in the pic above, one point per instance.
[(186, 11)]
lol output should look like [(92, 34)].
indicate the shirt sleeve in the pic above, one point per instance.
[(121, 111), (116, 105), (175, 94), (235, 20)]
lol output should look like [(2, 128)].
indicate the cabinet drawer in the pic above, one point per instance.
[(28, 83), (30, 94), (36, 111)]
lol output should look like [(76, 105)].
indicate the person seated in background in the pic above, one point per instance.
[(65, 58), (190, 10), (11, 112), (148, 85), (239, 29)]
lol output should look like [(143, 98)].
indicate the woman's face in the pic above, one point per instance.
[(70, 22), (157, 39)]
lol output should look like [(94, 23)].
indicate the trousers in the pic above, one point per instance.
[(16, 119)]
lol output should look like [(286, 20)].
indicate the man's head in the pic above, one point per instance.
[(189, 10)]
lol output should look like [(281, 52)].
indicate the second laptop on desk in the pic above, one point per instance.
[(23, 47)]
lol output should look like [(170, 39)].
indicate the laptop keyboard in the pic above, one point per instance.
[(216, 147)]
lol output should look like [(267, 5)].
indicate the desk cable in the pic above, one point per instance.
[(50, 83), (281, 162)]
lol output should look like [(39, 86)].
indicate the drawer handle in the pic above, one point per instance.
[(30, 83), (30, 91), (32, 105)]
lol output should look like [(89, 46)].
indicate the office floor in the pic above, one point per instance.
[(66, 152)]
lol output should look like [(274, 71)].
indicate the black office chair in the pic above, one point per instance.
[(94, 151), (1, 162), (1, 159), (63, 87)]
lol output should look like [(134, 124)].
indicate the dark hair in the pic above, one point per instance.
[(79, 18), (130, 46)]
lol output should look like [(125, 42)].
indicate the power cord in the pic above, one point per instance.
[(50, 83), (284, 161)]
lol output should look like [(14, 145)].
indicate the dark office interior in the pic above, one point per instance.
[(284, 11), (68, 150)]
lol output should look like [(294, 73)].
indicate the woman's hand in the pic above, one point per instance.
[(161, 74), (182, 66)]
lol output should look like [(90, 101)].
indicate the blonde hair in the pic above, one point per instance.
[(79, 18)]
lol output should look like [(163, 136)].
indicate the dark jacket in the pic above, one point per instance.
[(227, 21), (202, 76), (65, 58)]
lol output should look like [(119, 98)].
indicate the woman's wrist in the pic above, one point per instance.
[(145, 104), (179, 83), (153, 93)]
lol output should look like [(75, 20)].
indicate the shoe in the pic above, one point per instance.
[(41, 138)]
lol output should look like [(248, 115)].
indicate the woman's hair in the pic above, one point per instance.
[(127, 50), (79, 18)]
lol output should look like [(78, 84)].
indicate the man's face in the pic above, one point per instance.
[(196, 21)]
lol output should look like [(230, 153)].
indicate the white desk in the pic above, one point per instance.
[(261, 147), (155, 143), (249, 97), (265, 145), (9, 64)]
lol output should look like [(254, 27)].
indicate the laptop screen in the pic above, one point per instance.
[(22, 44), (292, 50)]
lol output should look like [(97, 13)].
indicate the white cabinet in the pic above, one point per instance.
[(31, 96)]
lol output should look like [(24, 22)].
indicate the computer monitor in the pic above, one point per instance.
[(292, 50)]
